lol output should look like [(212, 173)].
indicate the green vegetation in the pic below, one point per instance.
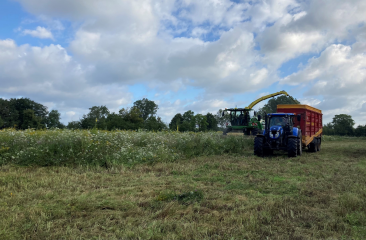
[(105, 148), (234, 195)]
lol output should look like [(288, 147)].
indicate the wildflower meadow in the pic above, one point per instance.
[(96, 147)]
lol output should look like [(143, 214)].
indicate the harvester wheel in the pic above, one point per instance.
[(292, 147), (258, 146), (299, 145)]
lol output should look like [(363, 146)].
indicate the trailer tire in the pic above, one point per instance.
[(299, 144), (319, 143), (312, 146), (258, 146), (292, 147)]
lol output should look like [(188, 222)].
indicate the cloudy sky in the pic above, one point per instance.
[(199, 55)]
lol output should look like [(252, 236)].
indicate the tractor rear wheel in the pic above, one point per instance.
[(292, 147), (258, 146)]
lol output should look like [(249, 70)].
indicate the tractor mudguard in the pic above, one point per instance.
[(295, 131), (292, 136), (260, 135)]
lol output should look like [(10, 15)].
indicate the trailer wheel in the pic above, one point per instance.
[(312, 146), (258, 146), (292, 147)]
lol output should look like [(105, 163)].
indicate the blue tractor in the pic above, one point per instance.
[(279, 134)]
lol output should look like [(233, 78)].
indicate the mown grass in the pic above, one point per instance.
[(232, 196)]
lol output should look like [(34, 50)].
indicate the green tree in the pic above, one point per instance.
[(343, 124), (360, 131), (271, 105), (202, 123), (97, 116), (22, 104), (53, 120), (74, 125), (212, 122), (328, 129), (1, 123), (146, 107), (176, 121), (154, 124), (188, 122), (30, 120), (9, 114)]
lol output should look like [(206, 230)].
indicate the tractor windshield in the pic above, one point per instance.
[(278, 121), (239, 118)]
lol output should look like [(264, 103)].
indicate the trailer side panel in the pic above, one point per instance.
[(311, 123)]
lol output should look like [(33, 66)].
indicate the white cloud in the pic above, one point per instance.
[(39, 32), (339, 76), (118, 43)]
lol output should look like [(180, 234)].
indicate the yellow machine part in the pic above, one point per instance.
[(269, 96)]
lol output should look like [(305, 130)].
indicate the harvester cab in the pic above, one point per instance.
[(240, 120)]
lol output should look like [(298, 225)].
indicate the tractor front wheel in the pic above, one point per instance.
[(292, 147), (258, 146)]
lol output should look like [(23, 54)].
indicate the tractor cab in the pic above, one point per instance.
[(239, 116)]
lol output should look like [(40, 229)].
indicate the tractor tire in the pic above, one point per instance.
[(258, 146), (255, 131), (299, 145), (292, 147)]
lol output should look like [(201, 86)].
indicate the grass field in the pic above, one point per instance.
[(234, 195)]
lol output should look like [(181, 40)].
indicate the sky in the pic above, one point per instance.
[(199, 55)]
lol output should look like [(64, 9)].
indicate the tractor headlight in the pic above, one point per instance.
[(277, 134), (270, 135)]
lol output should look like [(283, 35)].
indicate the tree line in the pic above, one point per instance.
[(23, 113)]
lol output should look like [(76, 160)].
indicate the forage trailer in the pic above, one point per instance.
[(291, 129)]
